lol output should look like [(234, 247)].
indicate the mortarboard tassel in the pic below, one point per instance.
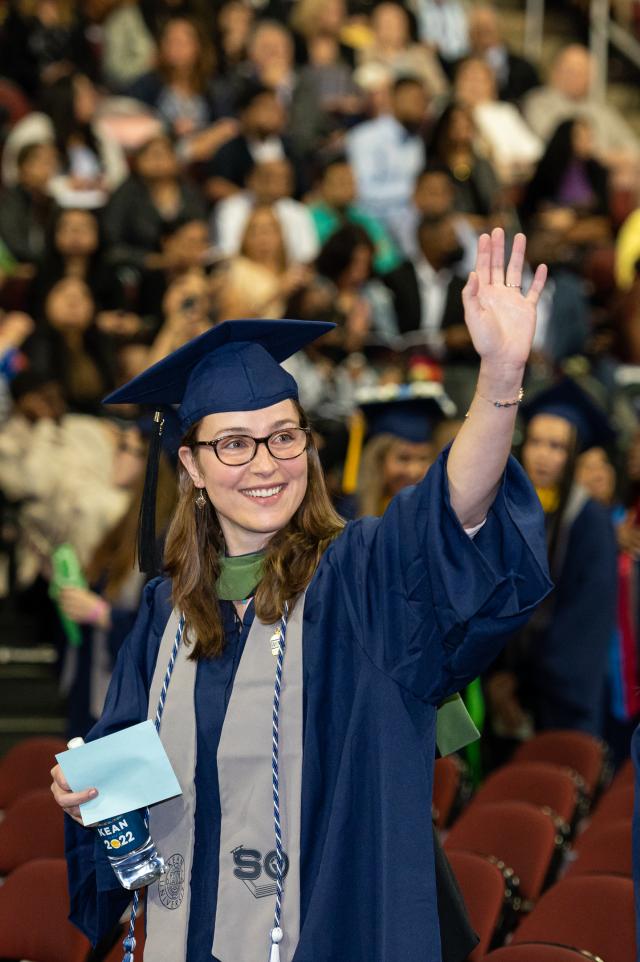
[(276, 938), (148, 560), (354, 453)]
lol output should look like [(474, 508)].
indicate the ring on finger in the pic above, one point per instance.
[(519, 286)]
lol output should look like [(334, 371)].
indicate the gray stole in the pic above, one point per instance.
[(246, 887)]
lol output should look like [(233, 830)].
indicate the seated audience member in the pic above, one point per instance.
[(68, 343), (233, 20), (25, 209), (514, 75), (428, 292), (392, 46), (128, 47), (553, 674), (270, 182), (335, 205), (258, 281), (74, 249), (107, 608), (387, 153), (443, 24), (92, 164), (346, 259), (58, 466), (628, 251), (452, 144), (150, 201), (187, 312), (312, 18), (512, 147), (261, 137), (181, 90), (434, 196), (567, 95), (270, 63), (569, 191), (563, 324), (39, 42)]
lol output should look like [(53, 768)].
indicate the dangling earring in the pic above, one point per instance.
[(200, 499)]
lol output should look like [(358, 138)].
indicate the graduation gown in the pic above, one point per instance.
[(563, 669), (402, 611), (635, 754)]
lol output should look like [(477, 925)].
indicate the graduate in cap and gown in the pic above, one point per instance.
[(391, 441), (310, 654), (554, 673)]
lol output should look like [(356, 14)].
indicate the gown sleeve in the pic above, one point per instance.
[(96, 899), (431, 606)]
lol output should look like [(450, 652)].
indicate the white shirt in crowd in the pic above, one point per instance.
[(443, 23), (386, 160), (433, 286), (231, 215)]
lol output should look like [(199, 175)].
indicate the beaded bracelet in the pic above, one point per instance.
[(501, 404)]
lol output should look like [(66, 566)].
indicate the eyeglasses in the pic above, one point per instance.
[(237, 449)]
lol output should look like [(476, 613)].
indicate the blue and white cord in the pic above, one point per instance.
[(276, 931), (129, 943)]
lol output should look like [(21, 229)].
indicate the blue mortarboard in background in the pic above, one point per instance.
[(408, 411), (233, 367), (569, 401)]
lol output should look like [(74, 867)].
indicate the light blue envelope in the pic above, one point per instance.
[(130, 769)]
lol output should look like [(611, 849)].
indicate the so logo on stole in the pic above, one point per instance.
[(250, 866)]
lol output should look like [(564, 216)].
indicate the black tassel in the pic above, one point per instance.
[(148, 555)]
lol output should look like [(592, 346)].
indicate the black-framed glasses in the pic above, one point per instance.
[(237, 449)]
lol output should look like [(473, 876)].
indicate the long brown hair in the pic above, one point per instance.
[(370, 492), (195, 543), (114, 558), (204, 68)]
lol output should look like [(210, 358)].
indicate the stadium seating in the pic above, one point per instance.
[(583, 753), (27, 766), (518, 834), (34, 906), (606, 851), (594, 913), (32, 828), (483, 887), (446, 786), (535, 782)]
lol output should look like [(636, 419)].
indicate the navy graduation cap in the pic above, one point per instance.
[(233, 367), (409, 411), (569, 401)]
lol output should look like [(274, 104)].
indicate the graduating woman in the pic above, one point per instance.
[(300, 712)]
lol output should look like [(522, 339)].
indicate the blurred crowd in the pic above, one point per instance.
[(169, 164)]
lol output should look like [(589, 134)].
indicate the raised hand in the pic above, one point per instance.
[(500, 318)]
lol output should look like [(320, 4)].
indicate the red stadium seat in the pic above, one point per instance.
[(539, 952), (34, 906), (605, 850), (594, 913), (518, 834), (616, 803), (446, 786), (32, 828), (482, 885), (624, 776), (583, 753), (27, 766), (535, 782)]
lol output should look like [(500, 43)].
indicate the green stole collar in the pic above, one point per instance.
[(239, 576)]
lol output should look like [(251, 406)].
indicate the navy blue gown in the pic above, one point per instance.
[(402, 611)]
